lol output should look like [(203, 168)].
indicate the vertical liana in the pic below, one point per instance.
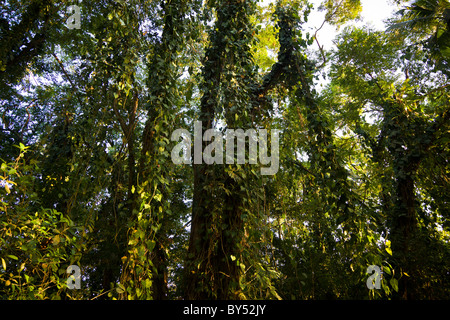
[(328, 187), (217, 226), (199, 273), (145, 274)]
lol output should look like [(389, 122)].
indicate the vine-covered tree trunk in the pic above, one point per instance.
[(198, 274), (153, 173), (217, 226)]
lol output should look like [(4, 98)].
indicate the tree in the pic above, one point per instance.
[(428, 21), (403, 142)]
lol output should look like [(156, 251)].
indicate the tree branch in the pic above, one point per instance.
[(67, 76), (122, 123)]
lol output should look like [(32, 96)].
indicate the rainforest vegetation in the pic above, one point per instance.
[(91, 92)]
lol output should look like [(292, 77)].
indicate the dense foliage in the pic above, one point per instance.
[(87, 178)]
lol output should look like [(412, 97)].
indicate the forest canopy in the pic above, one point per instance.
[(91, 93)]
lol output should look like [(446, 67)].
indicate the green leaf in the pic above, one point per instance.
[(150, 245), (120, 288), (394, 284), (147, 283), (158, 197), (12, 257), (388, 247), (387, 270), (56, 240), (388, 250), (4, 264)]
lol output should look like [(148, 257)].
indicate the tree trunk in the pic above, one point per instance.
[(199, 276), (402, 217), (404, 230)]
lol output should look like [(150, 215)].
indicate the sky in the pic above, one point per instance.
[(373, 14)]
